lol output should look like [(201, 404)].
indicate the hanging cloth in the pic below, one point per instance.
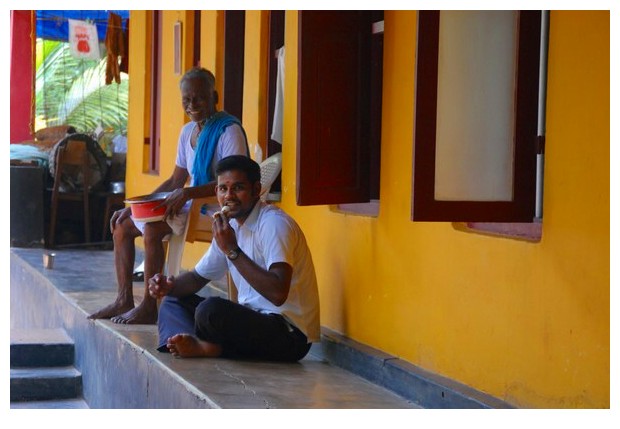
[(278, 111), (207, 142), (115, 44), (124, 67)]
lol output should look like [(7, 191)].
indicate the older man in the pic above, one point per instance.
[(209, 137)]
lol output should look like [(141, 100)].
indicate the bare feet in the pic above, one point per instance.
[(141, 315), (186, 345), (111, 310)]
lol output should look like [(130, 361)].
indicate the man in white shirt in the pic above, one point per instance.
[(277, 316)]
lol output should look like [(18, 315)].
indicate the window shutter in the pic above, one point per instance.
[(521, 207), (234, 48), (334, 107)]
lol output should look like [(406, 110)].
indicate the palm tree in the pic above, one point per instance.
[(72, 91)]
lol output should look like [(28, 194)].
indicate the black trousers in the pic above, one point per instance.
[(242, 332)]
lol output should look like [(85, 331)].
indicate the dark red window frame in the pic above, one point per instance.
[(234, 47), (521, 209), (334, 107), (153, 140)]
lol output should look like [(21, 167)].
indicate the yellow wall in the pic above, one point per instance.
[(172, 117), (255, 79), (172, 114), (525, 322)]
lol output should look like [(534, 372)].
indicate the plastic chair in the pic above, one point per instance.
[(197, 228), (174, 254), (269, 170)]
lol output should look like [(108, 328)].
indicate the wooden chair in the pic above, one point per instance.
[(72, 160)]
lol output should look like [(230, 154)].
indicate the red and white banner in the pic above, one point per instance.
[(83, 40)]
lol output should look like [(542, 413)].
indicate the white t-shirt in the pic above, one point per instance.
[(231, 142), (268, 236)]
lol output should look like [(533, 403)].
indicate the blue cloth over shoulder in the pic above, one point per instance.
[(207, 142)]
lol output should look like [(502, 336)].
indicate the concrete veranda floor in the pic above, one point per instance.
[(122, 369)]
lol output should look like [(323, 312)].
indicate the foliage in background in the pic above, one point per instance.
[(72, 91)]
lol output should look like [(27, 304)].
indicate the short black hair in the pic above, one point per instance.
[(241, 163)]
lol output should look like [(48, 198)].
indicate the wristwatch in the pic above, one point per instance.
[(234, 254)]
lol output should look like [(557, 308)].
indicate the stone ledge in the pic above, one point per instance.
[(110, 355), (409, 381), (41, 348)]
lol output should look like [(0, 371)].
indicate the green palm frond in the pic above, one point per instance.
[(43, 50), (90, 102), (72, 91)]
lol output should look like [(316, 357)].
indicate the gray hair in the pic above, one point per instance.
[(199, 73)]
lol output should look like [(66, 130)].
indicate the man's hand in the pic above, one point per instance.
[(174, 202), (118, 217), (223, 233), (160, 285)]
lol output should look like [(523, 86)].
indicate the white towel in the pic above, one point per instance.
[(276, 132)]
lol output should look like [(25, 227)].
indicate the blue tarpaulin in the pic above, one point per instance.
[(54, 24)]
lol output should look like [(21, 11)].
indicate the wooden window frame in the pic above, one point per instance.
[(276, 41), (333, 162), (234, 47), (197, 31), (154, 136), (521, 209)]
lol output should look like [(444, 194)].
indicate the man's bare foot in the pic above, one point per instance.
[(141, 315), (111, 310), (186, 345)]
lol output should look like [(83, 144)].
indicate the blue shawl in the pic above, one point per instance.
[(207, 142)]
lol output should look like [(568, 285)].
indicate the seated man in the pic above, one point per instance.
[(209, 137), (277, 317)]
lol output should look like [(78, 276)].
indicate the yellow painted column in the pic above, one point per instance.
[(255, 79)]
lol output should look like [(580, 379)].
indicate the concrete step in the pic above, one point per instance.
[(39, 384), (42, 372), (56, 404), (41, 348)]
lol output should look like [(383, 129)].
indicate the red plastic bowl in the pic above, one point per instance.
[(142, 207)]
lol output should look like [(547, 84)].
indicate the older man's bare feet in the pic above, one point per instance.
[(143, 314), (112, 310), (187, 346)]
